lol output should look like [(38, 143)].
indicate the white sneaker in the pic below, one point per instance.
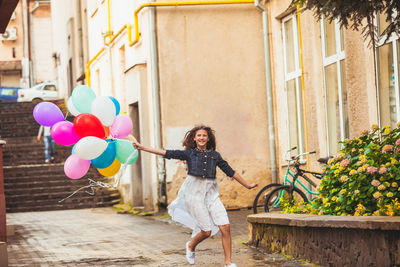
[(189, 254), (231, 265)]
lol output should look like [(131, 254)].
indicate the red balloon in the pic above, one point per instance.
[(86, 124)]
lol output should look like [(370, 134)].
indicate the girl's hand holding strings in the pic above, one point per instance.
[(135, 142)]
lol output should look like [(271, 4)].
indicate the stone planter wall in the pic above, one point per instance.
[(329, 240)]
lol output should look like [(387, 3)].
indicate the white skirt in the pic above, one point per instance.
[(198, 206)]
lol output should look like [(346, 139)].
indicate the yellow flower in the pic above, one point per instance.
[(381, 187), (336, 171), (352, 172), (356, 213), (389, 213), (394, 184), (374, 126), (342, 191), (376, 213), (387, 130), (390, 194), (393, 161)]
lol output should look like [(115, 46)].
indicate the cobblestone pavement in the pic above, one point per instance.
[(101, 237)]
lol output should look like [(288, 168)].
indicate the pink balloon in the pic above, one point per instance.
[(75, 167), (63, 133), (121, 127)]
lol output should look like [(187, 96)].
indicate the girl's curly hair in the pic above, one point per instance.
[(189, 143)]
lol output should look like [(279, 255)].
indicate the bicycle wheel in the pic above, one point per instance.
[(275, 200), (259, 200)]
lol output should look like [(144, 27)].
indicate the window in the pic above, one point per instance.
[(337, 120), (388, 63), (50, 87), (293, 84)]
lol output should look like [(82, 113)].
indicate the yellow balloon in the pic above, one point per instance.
[(111, 170)]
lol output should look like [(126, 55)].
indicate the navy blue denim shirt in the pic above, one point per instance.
[(201, 163)]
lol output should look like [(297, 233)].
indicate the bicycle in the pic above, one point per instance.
[(259, 204)]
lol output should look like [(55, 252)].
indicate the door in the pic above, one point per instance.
[(136, 182)]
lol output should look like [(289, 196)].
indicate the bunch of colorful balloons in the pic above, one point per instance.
[(97, 132)]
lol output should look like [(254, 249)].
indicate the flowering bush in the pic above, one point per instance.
[(363, 178)]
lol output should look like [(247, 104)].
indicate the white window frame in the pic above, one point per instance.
[(381, 41), (296, 75), (326, 61)]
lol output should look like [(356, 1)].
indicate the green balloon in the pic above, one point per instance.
[(126, 152), (82, 98)]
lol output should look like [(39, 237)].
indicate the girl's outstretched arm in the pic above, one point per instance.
[(138, 146), (243, 182)]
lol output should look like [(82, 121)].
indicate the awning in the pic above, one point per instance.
[(7, 7), (11, 65)]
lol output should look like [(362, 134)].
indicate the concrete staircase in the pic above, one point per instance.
[(32, 185)]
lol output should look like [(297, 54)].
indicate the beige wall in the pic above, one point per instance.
[(212, 71), (42, 44)]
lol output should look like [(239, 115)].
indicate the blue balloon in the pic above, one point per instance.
[(73, 149), (116, 103), (107, 157)]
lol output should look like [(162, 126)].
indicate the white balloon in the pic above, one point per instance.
[(90, 147), (71, 108), (104, 109)]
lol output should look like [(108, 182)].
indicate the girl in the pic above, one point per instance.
[(198, 205)]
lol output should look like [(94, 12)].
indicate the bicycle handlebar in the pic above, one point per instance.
[(294, 158)]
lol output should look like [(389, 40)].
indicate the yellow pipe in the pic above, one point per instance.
[(302, 86), (184, 3), (109, 16), (87, 73), (115, 36)]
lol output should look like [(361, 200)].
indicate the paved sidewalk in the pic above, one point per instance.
[(101, 237)]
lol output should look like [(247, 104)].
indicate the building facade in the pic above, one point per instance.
[(26, 46), (267, 77)]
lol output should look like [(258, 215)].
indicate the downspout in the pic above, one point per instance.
[(26, 58), (33, 71), (162, 194), (270, 111), (80, 36)]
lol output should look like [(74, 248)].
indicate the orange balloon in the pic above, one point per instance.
[(107, 131)]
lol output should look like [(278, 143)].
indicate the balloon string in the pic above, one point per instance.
[(96, 184), (123, 168), (92, 185)]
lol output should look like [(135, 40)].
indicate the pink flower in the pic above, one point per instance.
[(397, 142), (372, 169), (345, 162), (387, 148), (375, 183), (382, 170)]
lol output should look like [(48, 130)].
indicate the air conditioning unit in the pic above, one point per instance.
[(9, 35)]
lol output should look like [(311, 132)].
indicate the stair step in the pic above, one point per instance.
[(52, 206)]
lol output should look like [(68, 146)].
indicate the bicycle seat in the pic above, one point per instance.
[(324, 160)]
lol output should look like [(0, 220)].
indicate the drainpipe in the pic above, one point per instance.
[(80, 36), (162, 196), (3, 227), (26, 58), (271, 130)]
